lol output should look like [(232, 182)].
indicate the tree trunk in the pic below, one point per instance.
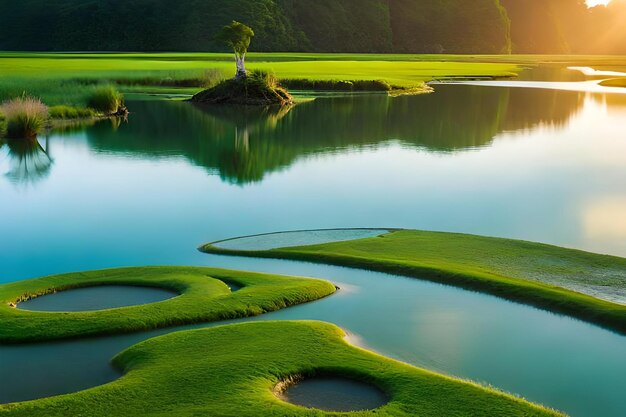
[(241, 67)]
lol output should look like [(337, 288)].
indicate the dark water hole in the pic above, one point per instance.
[(96, 298), (334, 394)]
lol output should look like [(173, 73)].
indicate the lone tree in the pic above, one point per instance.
[(237, 36)]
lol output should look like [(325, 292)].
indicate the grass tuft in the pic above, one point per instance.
[(25, 117), (3, 127), (105, 99)]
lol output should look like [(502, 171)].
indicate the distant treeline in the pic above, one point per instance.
[(567, 26), (411, 26)]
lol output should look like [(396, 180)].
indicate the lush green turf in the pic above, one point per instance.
[(397, 69), (231, 371), (533, 273), (204, 296), (615, 82), (67, 79)]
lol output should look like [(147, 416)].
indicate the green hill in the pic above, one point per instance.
[(449, 26), (280, 25), (406, 26)]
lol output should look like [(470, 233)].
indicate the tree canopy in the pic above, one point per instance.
[(238, 36), (363, 26), (411, 26)]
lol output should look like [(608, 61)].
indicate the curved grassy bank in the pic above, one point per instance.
[(204, 296), (530, 273), (231, 370), (615, 82)]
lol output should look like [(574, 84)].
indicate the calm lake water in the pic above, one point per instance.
[(542, 165)]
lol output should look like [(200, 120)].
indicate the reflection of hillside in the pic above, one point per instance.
[(615, 103), (529, 108), (245, 144)]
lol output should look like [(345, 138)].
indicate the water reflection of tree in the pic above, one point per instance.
[(30, 161), (243, 145), (241, 163)]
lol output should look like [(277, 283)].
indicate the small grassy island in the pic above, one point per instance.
[(580, 284), (257, 89), (233, 370), (204, 297)]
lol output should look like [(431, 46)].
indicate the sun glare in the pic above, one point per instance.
[(593, 3)]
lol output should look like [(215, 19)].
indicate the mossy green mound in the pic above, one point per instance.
[(204, 297), (615, 82), (584, 285), (232, 370), (257, 89)]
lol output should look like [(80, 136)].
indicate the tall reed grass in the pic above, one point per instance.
[(25, 117), (105, 99)]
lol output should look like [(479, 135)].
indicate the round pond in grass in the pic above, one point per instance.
[(333, 393), (96, 298), (297, 238)]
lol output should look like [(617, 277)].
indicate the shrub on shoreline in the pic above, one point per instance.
[(106, 100), (3, 126), (25, 117)]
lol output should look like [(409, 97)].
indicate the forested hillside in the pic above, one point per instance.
[(449, 26), (280, 25), (411, 26), (567, 26)]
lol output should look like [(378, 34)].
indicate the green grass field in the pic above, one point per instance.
[(567, 281), (615, 82), (69, 78), (232, 370), (204, 296)]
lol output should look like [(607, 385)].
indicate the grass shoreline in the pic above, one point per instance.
[(546, 296), (614, 82), (174, 375), (65, 79), (204, 297)]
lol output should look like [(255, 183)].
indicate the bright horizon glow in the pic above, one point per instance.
[(593, 3)]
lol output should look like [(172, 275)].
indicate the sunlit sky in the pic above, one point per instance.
[(592, 3)]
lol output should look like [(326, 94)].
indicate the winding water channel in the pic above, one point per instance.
[(542, 165)]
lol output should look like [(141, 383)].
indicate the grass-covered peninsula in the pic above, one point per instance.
[(24, 117), (204, 297), (584, 285), (614, 82), (232, 371)]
